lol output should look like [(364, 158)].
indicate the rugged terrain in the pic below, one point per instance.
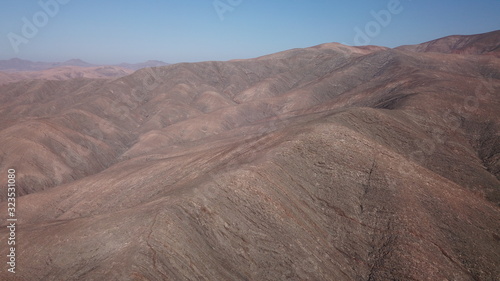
[(15, 70), (325, 163), (65, 73)]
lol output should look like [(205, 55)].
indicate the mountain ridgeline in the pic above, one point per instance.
[(325, 163)]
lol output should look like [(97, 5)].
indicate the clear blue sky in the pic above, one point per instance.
[(113, 31)]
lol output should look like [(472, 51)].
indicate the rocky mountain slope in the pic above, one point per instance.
[(20, 65), (325, 163), (66, 73), (480, 44), (15, 70)]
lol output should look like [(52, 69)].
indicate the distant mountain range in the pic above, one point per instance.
[(325, 163), (137, 66), (479, 44), (66, 73), (15, 70), (16, 65)]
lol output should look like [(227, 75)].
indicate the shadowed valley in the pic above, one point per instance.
[(325, 163)]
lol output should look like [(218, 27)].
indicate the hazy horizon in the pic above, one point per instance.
[(270, 154), (114, 32)]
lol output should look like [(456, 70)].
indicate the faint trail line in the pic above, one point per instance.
[(152, 249)]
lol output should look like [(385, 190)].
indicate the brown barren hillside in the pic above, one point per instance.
[(65, 73), (480, 44), (324, 163)]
